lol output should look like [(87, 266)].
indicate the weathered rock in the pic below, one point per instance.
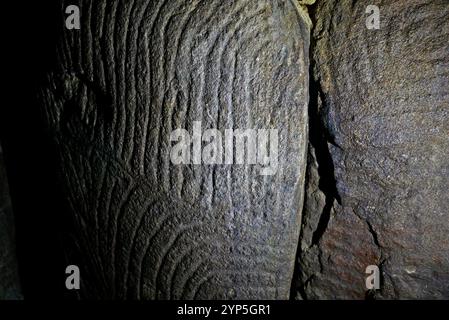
[(137, 70), (378, 178), (9, 279)]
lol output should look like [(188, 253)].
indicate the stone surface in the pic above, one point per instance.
[(148, 229), (9, 279), (378, 177)]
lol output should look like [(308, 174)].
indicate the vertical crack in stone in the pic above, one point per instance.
[(374, 235), (319, 140), (380, 124)]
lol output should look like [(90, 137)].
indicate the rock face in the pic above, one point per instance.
[(378, 177), (137, 70), (9, 279), (371, 121)]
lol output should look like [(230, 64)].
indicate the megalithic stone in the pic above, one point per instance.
[(146, 228), (379, 169)]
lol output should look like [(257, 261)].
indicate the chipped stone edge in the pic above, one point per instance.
[(301, 7)]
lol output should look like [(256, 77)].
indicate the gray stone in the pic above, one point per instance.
[(378, 178), (148, 229)]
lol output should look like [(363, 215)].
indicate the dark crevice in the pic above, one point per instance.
[(373, 234), (319, 139), (370, 295), (381, 273), (302, 288), (373, 294)]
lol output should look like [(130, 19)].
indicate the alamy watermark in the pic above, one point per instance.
[(73, 279), (73, 19), (372, 282), (372, 22), (234, 146)]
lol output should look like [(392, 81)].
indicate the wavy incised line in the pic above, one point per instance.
[(172, 273), (87, 42), (211, 54), (119, 36), (253, 85), (249, 105), (169, 247), (129, 95), (125, 200), (262, 104), (166, 172), (100, 195), (239, 44), (197, 289), (157, 87), (175, 234), (137, 90), (109, 54), (121, 54), (219, 272), (78, 47), (154, 232), (74, 179), (123, 209), (196, 172), (171, 75), (194, 269), (148, 80), (98, 25), (155, 120), (100, 45), (141, 215), (165, 114)]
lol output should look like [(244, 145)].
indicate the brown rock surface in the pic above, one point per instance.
[(378, 180)]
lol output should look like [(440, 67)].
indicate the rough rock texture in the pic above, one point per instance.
[(9, 279), (137, 70), (378, 178)]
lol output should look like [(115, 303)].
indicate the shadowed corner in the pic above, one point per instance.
[(30, 170), (10, 288)]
